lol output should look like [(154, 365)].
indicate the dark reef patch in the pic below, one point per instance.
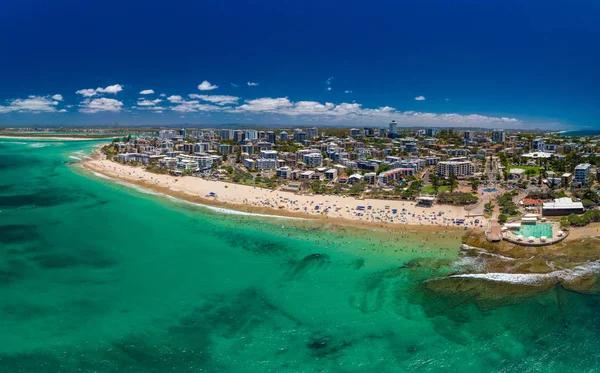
[(309, 262), (17, 233)]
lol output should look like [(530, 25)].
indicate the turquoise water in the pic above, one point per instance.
[(536, 230), (581, 133), (101, 277)]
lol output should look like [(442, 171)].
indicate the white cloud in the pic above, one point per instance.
[(267, 104), (347, 91), (90, 92), (420, 98), (175, 98), (62, 111), (216, 99), (57, 97), (114, 89), (145, 102), (252, 84), (356, 112), (329, 88), (147, 92), (234, 85), (194, 106), (163, 95), (206, 86), (31, 104), (329, 80), (100, 104)]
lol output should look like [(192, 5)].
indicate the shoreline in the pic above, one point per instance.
[(254, 200), (59, 138)]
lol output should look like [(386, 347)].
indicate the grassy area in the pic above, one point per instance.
[(535, 169), (428, 189)]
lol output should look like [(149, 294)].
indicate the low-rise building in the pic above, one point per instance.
[(562, 206), (395, 174), (331, 174)]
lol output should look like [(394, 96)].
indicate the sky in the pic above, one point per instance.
[(478, 63)]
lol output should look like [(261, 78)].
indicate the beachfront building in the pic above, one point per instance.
[(562, 206), (458, 168), (370, 177), (395, 174), (582, 174), (249, 163), (331, 174), (266, 164), (283, 172), (306, 175)]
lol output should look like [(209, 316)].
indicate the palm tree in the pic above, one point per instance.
[(453, 182), (435, 182)]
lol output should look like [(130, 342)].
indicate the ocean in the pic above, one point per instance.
[(581, 133), (97, 276)]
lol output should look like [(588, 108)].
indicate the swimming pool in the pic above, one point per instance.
[(490, 190), (536, 230)]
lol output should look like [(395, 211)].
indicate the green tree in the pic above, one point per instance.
[(453, 181), (435, 182)]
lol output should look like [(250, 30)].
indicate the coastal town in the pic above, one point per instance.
[(526, 188)]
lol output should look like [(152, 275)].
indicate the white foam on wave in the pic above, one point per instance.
[(222, 210), (13, 142), (535, 278), (74, 157), (38, 145), (100, 175), (484, 252)]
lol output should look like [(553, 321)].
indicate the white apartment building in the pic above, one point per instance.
[(457, 168)]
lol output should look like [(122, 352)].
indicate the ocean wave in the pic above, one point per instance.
[(38, 145), (222, 210), (13, 142), (536, 278), (100, 175), (74, 157), (484, 252)]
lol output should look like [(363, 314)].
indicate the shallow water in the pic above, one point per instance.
[(97, 276)]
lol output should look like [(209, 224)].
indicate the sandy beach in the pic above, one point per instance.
[(274, 202)]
